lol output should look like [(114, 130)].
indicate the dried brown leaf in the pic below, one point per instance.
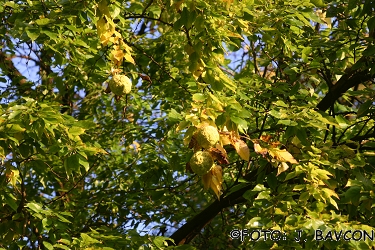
[(266, 138), (219, 155)]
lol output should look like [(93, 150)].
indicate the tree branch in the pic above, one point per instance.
[(350, 79), (188, 231), (9, 69)]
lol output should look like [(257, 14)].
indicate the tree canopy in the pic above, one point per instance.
[(241, 115)]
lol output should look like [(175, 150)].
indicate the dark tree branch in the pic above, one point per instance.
[(188, 231), (10, 70), (350, 79)]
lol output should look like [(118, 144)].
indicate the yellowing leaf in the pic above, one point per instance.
[(227, 81), (129, 58), (177, 5), (118, 55), (225, 138), (216, 180), (105, 30), (330, 192), (282, 155), (282, 168), (124, 45), (189, 134), (137, 146), (103, 8), (114, 39), (229, 3), (241, 148), (258, 149), (206, 179)]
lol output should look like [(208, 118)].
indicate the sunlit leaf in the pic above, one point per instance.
[(258, 149), (282, 168), (242, 149), (282, 155)]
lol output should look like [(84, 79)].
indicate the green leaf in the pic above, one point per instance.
[(371, 23), (61, 246), (76, 130), (83, 161), (292, 175), (369, 51), (35, 207), (50, 34), (210, 78), (227, 81), (10, 200), (32, 33), (43, 21), (353, 194), (364, 108), (48, 245), (198, 97), (14, 128), (318, 3), (71, 164), (239, 121), (88, 240), (174, 116), (159, 241), (61, 218)]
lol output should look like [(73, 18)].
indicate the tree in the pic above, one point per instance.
[(283, 89)]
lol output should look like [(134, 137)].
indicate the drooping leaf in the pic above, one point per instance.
[(241, 148), (282, 155)]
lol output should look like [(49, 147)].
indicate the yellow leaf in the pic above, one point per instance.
[(118, 55), (188, 135), (206, 179), (229, 3), (129, 58), (216, 180), (137, 146), (114, 39), (105, 30), (282, 155), (217, 172), (258, 149), (282, 168), (225, 138), (177, 5), (241, 148), (125, 46), (330, 192)]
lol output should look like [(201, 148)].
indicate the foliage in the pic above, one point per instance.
[(289, 85)]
